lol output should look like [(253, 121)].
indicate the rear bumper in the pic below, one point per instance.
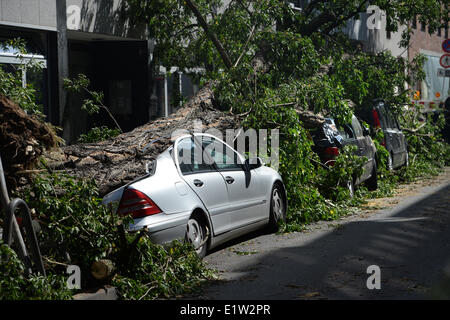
[(163, 228)]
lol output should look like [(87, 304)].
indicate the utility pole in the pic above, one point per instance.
[(63, 63)]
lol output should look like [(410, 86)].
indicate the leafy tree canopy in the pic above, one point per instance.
[(268, 59)]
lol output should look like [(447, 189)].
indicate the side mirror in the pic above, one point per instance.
[(253, 163)]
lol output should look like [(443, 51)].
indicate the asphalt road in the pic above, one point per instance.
[(407, 236)]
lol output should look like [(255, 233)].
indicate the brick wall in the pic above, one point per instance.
[(423, 40)]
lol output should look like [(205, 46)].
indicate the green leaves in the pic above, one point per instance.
[(15, 285), (98, 134), (76, 225), (11, 82), (93, 104)]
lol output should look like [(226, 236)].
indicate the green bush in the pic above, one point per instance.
[(98, 134), (15, 285), (157, 272)]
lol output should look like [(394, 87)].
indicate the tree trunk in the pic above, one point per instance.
[(309, 118), (120, 160), (103, 269)]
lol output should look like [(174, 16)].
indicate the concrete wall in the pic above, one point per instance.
[(375, 40), (101, 17), (39, 13), (93, 16)]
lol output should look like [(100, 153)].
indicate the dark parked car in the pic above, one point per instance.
[(332, 137), (380, 116)]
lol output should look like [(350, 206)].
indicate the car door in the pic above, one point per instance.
[(401, 143), (204, 180), (245, 193), (349, 138), (402, 140), (394, 139), (365, 149)]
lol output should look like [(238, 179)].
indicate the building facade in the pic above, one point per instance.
[(95, 38), (435, 89), (370, 30)]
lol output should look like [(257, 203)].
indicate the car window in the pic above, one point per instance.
[(224, 157), (190, 157), (346, 132), (357, 127), (383, 117), (392, 120), (389, 119)]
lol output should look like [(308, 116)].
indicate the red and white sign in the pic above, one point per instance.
[(445, 60)]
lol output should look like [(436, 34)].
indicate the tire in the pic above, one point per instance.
[(196, 234), (372, 182), (351, 188), (390, 164), (406, 159), (277, 207)]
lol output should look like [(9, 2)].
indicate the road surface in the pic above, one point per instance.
[(407, 237)]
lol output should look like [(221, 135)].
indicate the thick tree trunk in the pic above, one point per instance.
[(117, 161), (309, 118), (103, 269), (114, 162)]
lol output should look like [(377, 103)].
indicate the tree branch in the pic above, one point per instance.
[(211, 35), (347, 17), (328, 18), (245, 47)]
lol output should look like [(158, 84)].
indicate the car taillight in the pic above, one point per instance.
[(332, 151), (376, 119), (137, 204)]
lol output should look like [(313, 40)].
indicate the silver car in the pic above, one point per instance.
[(202, 190)]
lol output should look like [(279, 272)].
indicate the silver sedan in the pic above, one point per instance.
[(202, 190)]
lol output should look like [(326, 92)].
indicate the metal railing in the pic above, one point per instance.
[(12, 233)]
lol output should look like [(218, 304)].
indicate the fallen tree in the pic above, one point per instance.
[(117, 161), (114, 162)]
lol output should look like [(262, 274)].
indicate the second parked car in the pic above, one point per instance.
[(380, 116), (329, 139)]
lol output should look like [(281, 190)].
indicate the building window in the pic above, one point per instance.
[(446, 32), (414, 22), (31, 67), (439, 32), (423, 27)]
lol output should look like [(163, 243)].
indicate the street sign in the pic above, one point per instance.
[(445, 60), (446, 45), (444, 73)]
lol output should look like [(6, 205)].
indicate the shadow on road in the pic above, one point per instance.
[(411, 246)]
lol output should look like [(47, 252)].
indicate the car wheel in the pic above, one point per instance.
[(277, 207), (406, 159), (351, 188), (196, 234), (372, 182), (390, 165)]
